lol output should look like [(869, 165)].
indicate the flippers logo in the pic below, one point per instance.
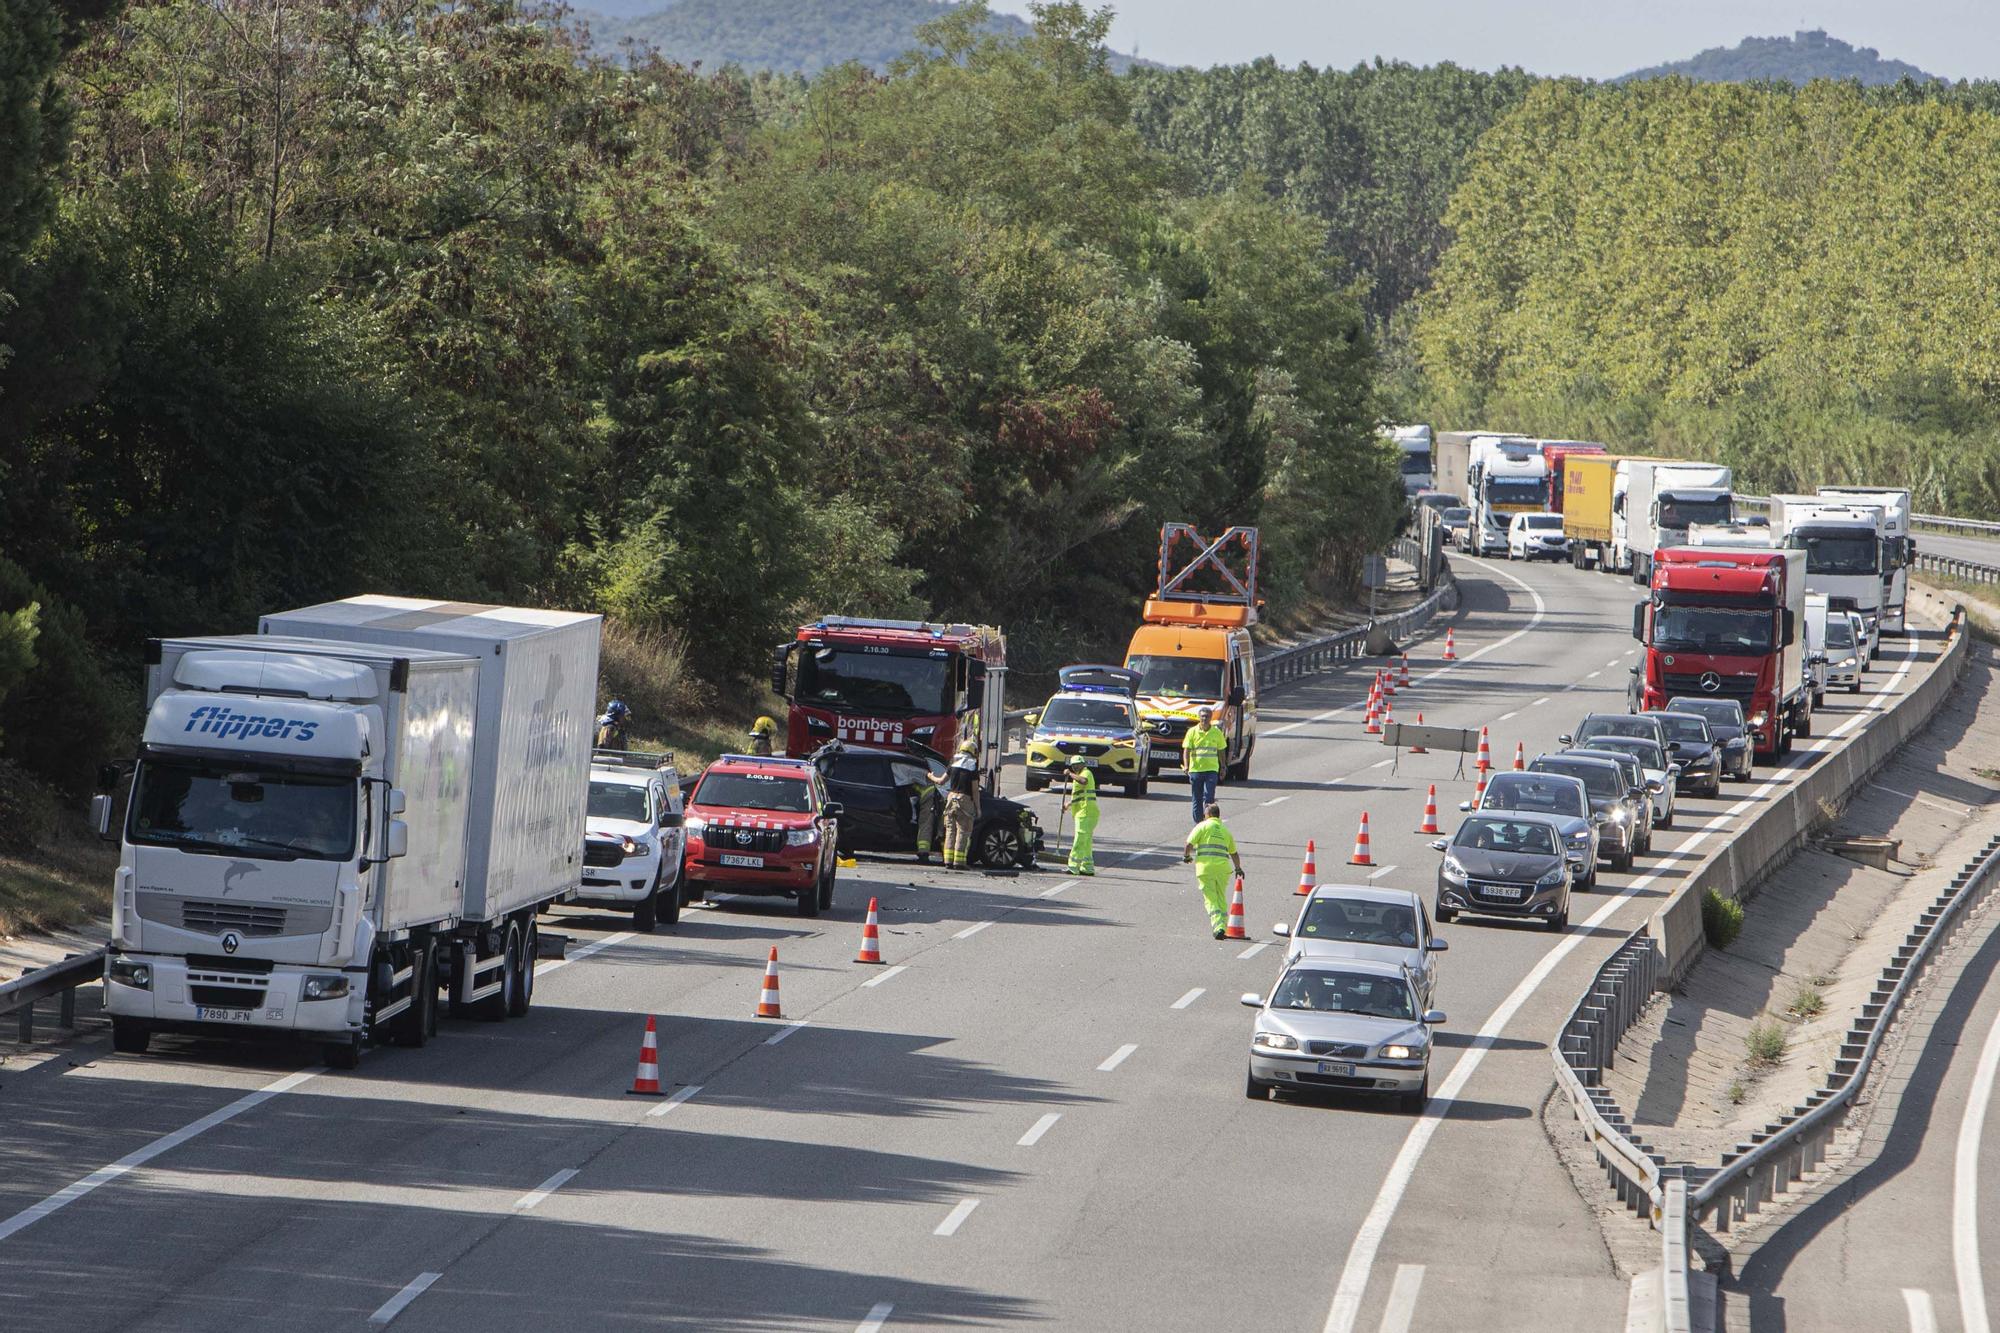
[(226, 723)]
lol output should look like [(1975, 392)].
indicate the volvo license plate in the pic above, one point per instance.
[(751, 862), (1339, 1067), (208, 1015)]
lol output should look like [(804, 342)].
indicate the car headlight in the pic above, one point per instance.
[(1275, 1041), (636, 846), (1453, 870), (1757, 720), (1619, 815), (694, 826), (1579, 839), (1845, 663), (801, 837), (1550, 880), (331, 987), (136, 975), (1398, 1053)]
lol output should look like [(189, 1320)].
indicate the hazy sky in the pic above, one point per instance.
[(1594, 38)]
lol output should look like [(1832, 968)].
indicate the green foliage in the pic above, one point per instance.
[(1807, 1001), (18, 629), (1765, 1042), (1800, 58), (61, 713), (1721, 919)]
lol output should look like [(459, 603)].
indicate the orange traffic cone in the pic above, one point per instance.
[(767, 1003), (1309, 872), (1388, 684), (1430, 824), (1235, 930), (646, 1083), (1520, 758), (871, 939), (1479, 792), (1361, 857), (1406, 671), (1485, 756), (1373, 724), (1389, 713), (1449, 654), (1418, 748)]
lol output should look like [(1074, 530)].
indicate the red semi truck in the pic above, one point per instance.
[(885, 683), (1729, 622)]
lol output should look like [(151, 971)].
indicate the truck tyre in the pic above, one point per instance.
[(416, 1023), (345, 1054), (497, 1005), (129, 1036), (1804, 727), (646, 912), (669, 897), (521, 995)]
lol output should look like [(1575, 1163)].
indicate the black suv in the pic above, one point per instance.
[(878, 791)]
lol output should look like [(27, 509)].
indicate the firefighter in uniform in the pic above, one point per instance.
[(930, 815), (1082, 806), (961, 805), (1202, 751), (1212, 849), (762, 732)]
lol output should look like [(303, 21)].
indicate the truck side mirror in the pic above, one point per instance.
[(1789, 626), (1236, 697), (100, 815), (397, 840), (780, 655), (397, 802), (1639, 621)]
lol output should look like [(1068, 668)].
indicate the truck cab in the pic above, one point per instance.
[(1656, 501), (1843, 543), (1899, 548), (1194, 648), (1509, 476)]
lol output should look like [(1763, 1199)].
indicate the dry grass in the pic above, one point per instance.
[(53, 870)]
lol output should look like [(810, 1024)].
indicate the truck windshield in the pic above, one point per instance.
[(225, 808), (1416, 465), (874, 682), (1705, 629), (1178, 677), (1837, 552), (1678, 512), (1516, 491)]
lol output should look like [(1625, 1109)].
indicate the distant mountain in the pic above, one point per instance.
[(1800, 58), (791, 36)]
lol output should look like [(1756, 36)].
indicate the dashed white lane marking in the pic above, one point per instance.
[(955, 1219), (878, 1315), (1616, 660), (1402, 1306), (1384, 764), (1380, 871), (545, 1189), (1965, 1188), (1041, 1127), (1592, 675), (879, 979), (680, 1095), (1052, 892), (1116, 1058), (1277, 800), (138, 1157), (972, 930), (1508, 717), (784, 1032), (1255, 949), (595, 946), (1923, 1316), (1539, 702), (1189, 998), (396, 1304)]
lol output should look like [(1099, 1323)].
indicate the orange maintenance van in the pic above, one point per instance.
[(1194, 645)]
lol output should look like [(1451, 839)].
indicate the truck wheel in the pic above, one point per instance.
[(1240, 772), (1804, 727), (499, 1004), (342, 1054), (129, 1036), (521, 994), (416, 1023), (669, 899), (646, 913)]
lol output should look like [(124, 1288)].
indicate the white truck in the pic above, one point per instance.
[(1899, 548), (1842, 539), (1507, 475), (1816, 658), (1654, 502), (1414, 446), (336, 820)]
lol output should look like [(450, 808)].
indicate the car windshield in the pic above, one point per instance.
[(1416, 465), (1593, 727), (1684, 728), (874, 682), (754, 791), (1458, 515), (1102, 713), (1182, 677), (229, 808), (1354, 922), (1708, 629), (1628, 767), (1516, 490), (1506, 835), (1600, 780), (1543, 522), (1716, 712), (1839, 633), (1538, 794), (1345, 993), (618, 800), (1679, 513), (1838, 552), (1646, 752)]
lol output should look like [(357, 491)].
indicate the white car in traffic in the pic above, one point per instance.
[(1532, 535), (633, 837), (1365, 921)]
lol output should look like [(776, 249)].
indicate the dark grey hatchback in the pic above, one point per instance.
[(1505, 865), (1725, 727)]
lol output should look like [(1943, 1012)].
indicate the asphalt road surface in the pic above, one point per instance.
[(1033, 1114)]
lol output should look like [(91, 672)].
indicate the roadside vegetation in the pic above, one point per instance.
[(1721, 919)]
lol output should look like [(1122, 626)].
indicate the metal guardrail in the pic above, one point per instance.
[(1968, 570), (1585, 1049), (1304, 659), (59, 980)]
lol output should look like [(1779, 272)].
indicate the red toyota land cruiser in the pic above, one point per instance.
[(762, 825)]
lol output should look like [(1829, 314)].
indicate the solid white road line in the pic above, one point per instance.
[(1923, 1316), (956, 1217), (1402, 1306), (1041, 1127), (396, 1304), (878, 1315), (784, 1032), (595, 946), (972, 930), (680, 1095), (884, 976), (138, 1157), (1965, 1188), (1255, 949), (544, 1190), (1116, 1058), (1189, 998), (1380, 871)]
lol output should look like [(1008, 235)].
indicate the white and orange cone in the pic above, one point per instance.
[(1520, 758), (1418, 748), (1388, 684), (1234, 930), (871, 938), (1430, 824), (1309, 872), (1406, 671), (1479, 792), (646, 1083), (1485, 756), (767, 1002), (1373, 723), (1450, 655), (1361, 856)]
